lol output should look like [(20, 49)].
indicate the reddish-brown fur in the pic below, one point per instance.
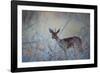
[(66, 43)]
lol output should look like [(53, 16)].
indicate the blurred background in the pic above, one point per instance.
[(37, 43)]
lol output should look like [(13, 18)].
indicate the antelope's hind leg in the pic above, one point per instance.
[(77, 52)]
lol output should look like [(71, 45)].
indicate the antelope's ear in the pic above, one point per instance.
[(50, 30), (58, 31)]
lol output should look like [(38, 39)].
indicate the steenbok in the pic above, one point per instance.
[(67, 43)]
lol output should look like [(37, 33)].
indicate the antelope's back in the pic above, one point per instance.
[(71, 41)]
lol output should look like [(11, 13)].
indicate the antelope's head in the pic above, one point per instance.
[(54, 33)]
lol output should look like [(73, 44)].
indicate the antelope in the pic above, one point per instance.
[(66, 43)]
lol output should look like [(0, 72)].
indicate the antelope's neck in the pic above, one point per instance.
[(57, 39)]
